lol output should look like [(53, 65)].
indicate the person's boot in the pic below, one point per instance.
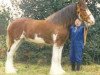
[(73, 66), (78, 66)]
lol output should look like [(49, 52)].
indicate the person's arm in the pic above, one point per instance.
[(70, 29), (85, 34)]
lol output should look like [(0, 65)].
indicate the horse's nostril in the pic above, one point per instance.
[(92, 22), (89, 21)]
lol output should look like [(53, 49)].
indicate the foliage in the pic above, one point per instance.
[(92, 49), (34, 53), (2, 47), (4, 19), (40, 9)]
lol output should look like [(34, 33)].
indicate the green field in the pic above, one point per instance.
[(36, 69)]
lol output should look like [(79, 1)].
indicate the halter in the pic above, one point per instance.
[(84, 18), (79, 15)]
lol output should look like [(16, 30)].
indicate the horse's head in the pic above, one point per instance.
[(84, 13)]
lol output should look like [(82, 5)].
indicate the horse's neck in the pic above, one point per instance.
[(64, 16)]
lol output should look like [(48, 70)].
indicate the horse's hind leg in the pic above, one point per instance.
[(9, 67), (56, 68), (9, 41)]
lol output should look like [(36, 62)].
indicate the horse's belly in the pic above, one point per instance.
[(36, 39)]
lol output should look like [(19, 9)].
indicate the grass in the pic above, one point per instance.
[(36, 69)]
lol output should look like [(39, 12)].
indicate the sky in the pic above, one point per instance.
[(15, 11), (6, 2)]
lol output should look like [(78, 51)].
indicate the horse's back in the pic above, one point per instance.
[(18, 23), (16, 28), (29, 26)]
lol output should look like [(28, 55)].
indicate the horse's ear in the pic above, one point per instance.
[(87, 1), (84, 1), (80, 2)]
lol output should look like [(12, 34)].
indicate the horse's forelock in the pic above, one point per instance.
[(82, 3)]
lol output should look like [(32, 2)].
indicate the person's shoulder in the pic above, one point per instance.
[(82, 26), (72, 26)]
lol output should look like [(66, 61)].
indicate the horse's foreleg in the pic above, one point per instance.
[(9, 67), (56, 68)]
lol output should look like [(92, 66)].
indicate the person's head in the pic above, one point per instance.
[(77, 22)]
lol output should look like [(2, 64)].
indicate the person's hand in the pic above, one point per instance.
[(84, 43)]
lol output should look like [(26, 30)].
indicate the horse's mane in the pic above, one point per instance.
[(67, 14)]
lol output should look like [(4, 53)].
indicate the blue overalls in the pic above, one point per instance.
[(77, 43)]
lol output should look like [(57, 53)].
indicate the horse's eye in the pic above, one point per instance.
[(78, 12)]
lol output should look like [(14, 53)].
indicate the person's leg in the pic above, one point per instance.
[(72, 59), (73, 65), (78, 60), (78, 66)]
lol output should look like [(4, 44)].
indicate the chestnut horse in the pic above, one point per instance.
[(54, 30)]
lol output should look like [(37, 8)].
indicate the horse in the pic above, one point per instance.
[(54, 30)]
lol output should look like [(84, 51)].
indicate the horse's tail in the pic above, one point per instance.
[(9, 40)]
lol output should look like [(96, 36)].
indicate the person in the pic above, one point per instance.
[(78, 39)]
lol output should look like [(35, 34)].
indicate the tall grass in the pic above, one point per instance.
[(37, 69)]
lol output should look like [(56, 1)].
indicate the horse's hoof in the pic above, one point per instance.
[(11, 71), (61, 72)]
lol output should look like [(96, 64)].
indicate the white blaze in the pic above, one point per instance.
[(91, 16)]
